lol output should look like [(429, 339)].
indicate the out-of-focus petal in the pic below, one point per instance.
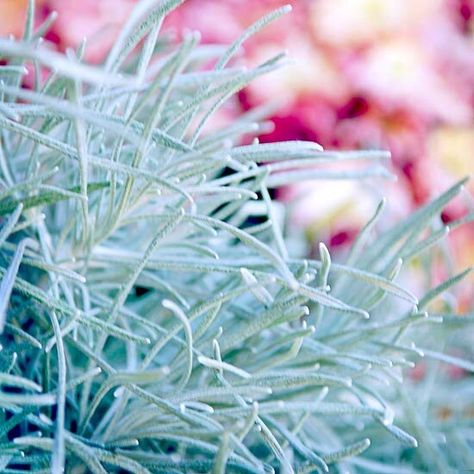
[(453, 149), (359, 22), (399, 74), (310, 71), (98, 21), (13, 15)]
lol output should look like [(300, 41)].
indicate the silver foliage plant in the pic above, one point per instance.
[(153, 318)]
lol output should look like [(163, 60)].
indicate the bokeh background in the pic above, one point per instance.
[(364, 74)]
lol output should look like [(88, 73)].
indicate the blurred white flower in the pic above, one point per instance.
[(310, 71), (323, 204), (357, 22), (451, 148)]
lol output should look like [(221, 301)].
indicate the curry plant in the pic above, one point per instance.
[(155, 316)]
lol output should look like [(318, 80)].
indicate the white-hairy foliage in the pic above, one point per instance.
[(154, 316)]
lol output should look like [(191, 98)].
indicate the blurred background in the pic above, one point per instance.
[(364, 74)]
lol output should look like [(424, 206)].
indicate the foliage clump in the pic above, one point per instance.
[(153, 317)]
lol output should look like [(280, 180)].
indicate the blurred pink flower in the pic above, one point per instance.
[(214, 20), (221, 22), (308, 118), (98, 21), (398, 73)]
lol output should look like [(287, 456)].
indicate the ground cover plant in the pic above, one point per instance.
[(154, 315)]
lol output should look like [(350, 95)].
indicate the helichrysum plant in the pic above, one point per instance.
[(154, 318)]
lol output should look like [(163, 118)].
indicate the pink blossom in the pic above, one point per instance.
[(400, 74), (309, 118), (98, 21), (214, 20)]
